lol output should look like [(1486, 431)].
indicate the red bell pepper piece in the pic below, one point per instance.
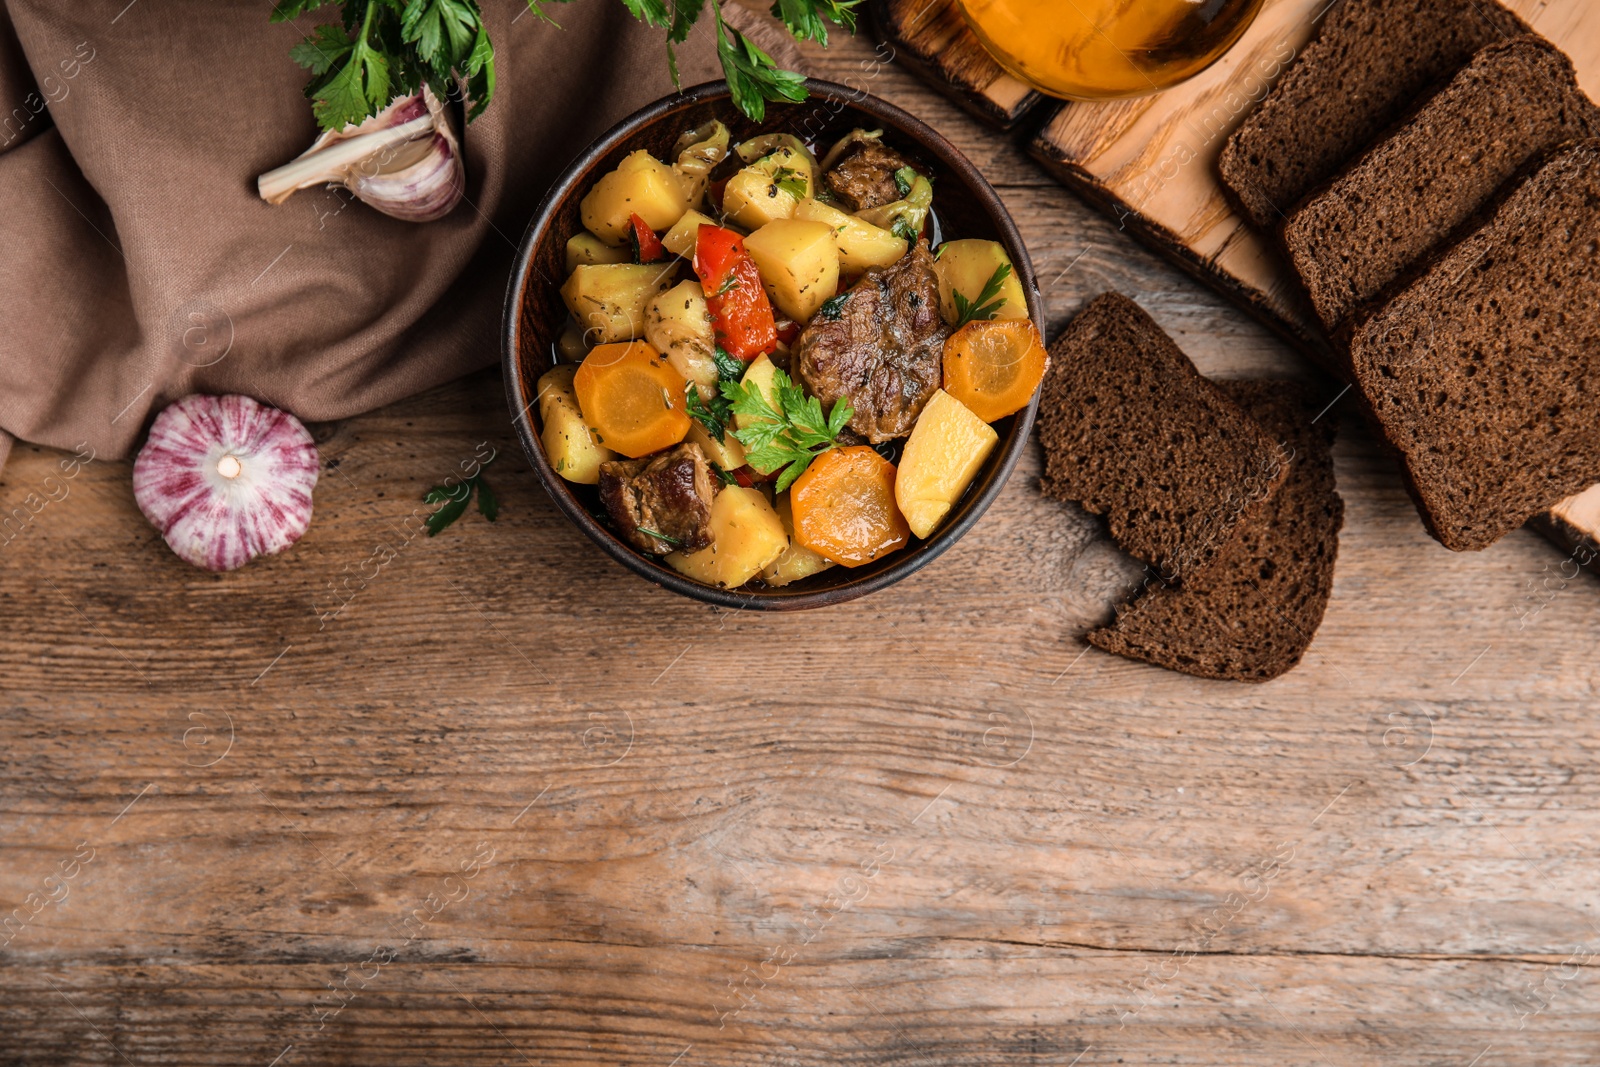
[(741, 315), (647, 247)]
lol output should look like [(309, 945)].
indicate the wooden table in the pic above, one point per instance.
[(511, 805)]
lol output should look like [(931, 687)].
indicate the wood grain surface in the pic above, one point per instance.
[(486, 798)]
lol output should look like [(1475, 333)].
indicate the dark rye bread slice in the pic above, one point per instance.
[(1369, 64), (1133, 432), (1481, 371), (1513, 103), (1251, 615)]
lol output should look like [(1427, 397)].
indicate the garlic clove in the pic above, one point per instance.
[(226, 479), (404, 161)]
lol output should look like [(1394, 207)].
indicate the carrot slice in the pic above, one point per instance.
[(844, 507), (632, 398), (994, 367)]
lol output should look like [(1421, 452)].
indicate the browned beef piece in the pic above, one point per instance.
[(668, 494), (882, 348), (864, 175)]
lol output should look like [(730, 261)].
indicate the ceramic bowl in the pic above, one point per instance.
[(965, 206)]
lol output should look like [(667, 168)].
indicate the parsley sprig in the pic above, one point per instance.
[(381, 49), (986, 306), (717, 413), (454, 500), (790, 436)]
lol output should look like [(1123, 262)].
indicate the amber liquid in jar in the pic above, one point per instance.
[(1101, 49)]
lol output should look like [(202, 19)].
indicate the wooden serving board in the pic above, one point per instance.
[(1150, 162)]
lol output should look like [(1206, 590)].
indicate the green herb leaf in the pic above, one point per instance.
[(808, 19), (903, 179), (454, 499), (986, 306), (789, 436), (454, 507), (713, 416), (289, 10), (656, 533), (753, 78), (729, 368), (833, 307), (791, 182), (325, 47), (903, 229), (724, 476), (488, 503)]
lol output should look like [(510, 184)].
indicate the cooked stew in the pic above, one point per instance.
[(773, 365)]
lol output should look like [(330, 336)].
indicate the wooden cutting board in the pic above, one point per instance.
[(1150, 162)]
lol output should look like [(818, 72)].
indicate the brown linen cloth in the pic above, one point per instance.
[(138, 264)]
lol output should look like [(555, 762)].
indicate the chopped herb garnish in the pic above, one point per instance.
[(903, 229), (789, 437), (903, 179), (791, 182), (729, 368), (656, 533), (729, 284), (714, 416), (724, 476), (454, 500), (833, 307), (986, 306)]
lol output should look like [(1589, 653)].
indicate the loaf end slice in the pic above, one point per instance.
[(1252, 614), (1132, 431), (1481, 371), (1512, 103), (1367, 66)]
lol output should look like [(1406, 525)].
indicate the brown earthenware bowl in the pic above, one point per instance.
[(964, 205)]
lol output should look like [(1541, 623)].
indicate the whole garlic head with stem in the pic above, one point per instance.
[(226, 479), (404, 161)]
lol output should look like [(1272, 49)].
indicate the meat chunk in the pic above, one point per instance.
[(881, 349), (661, 502), (864, 175)]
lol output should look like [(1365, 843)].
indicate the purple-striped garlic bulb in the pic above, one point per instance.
[(226, 479), (405, 161)]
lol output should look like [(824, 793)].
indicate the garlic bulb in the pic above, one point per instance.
[(226, 479), (404, 161)]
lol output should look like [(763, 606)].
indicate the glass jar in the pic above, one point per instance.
[(1102, 49)]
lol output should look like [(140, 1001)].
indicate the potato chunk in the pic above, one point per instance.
[(768, 189), (746, 536), (570, 445), (586, 248), (641, 185), (681, 239), (759, 373), (727, 453), (965, 267), (861, 244), (943, 454), (797, 561), (609, 299), (799, 264), (677, 325)]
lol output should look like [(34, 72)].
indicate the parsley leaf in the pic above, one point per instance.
[(833, 307), (805, 18), (981, 309), (380, 49), (729, 368), (454, 500), (903, 179), (791, 182), (790, 436), (714, 416), (753, 78)]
